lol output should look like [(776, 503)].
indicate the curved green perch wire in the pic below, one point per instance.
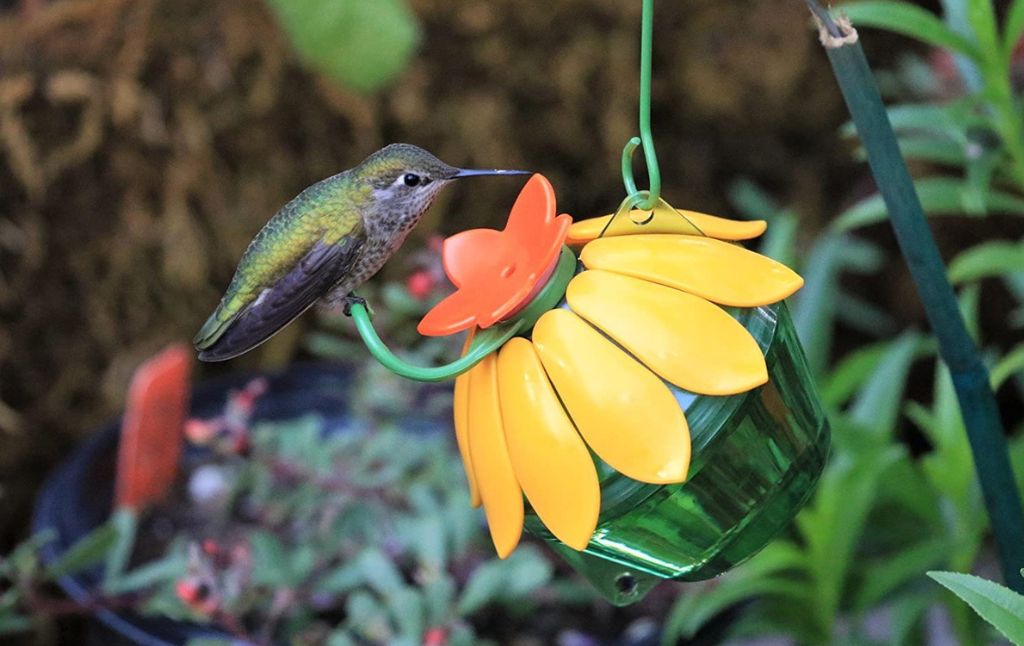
[(485, 341), (970, 377)]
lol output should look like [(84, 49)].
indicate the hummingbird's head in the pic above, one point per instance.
[(408, 178)]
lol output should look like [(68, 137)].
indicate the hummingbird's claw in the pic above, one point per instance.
[(353, 299)]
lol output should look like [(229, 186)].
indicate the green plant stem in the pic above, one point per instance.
[(958, 350)]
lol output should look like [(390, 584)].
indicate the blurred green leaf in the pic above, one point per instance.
[(939, 196), (330, 346), (1000, 606), (969, 302), (269, 560), (379, 572), (864, 316), (426, 536), (942, 121), (833, 525), (484, 587), (814, 305), (1013, 29), (851, 371), (509, 580), (877, 406), (24, 558), (438, 597), (165, 569), (905, 614), (982, 17), (362, 44), (126, 522), (933, 150), (366, 615), (528, 571), (896, 570), (12, 623), (909, 20), (695, 609), (986, 260), (342, 579), (758, 577), (87, 551), (341, 637), (1011, 364), (407, 610)]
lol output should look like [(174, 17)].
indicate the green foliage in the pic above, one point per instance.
[(998, 605), (361, 44), (981, 133), (987, 260), (939, 196), (909, 20), (880, 517)]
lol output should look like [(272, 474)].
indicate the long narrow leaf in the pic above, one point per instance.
[(982, 16), (1001, 607), (909, 20), (1013, 28), (1011, 364), (88, 551), (900, 569), (939, 196), (987, 260)]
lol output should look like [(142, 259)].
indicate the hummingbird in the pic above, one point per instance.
[(326, 242)]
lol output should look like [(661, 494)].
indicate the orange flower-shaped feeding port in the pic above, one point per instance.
[(496, 272), (642, 324)]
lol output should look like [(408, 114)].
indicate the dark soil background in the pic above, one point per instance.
[(144, 142)]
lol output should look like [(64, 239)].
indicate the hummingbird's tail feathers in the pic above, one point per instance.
[(276, 306), (211, 330)]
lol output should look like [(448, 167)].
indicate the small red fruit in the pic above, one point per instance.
[(419, 284), (435, 637)]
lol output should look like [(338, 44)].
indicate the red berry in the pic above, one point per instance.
[(419, 284), (187, 591), (435, 637)]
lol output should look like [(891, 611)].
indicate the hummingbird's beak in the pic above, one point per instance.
[(466, 172)]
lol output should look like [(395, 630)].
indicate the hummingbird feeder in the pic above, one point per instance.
[(632, 388)]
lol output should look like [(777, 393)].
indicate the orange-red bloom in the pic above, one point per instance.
[(496, 272)]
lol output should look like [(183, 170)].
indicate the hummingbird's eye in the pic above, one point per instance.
[(411, 179)]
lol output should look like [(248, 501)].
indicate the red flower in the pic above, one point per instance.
[(496, 272)]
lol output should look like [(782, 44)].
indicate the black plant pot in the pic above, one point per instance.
[(78, 497)]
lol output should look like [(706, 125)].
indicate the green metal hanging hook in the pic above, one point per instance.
[(644, 199)]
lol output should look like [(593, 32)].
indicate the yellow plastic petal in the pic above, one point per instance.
[(664, 219), (460, 410), (502, 498), (718, 271), (625, 413), (549, 458), (685, 339)]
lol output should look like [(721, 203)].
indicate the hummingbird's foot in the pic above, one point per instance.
[(351, 300)]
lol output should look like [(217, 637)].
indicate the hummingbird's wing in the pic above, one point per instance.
[(227, 335)]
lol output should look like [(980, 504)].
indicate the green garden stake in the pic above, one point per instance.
[(970, 377)]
